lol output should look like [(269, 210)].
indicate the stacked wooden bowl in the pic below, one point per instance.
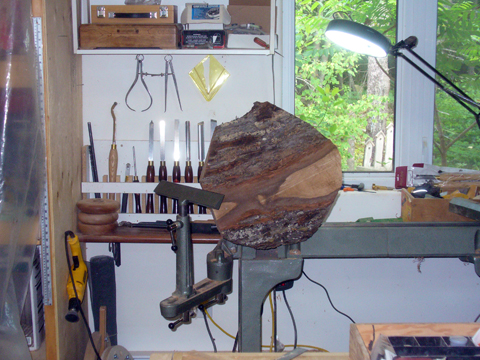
[(97, 216)]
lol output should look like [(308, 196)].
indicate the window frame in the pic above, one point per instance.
[(414, 93)]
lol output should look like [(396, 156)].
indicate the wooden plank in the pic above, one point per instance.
[(63, 117), (197, 355), (364, 333), (357, 347)]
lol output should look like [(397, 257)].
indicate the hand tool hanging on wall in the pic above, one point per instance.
[(150, 169), (93, 161), (201, 159), (162, 172), (176, 174), (113, 155), (169, 65), (188, 162), (141, 74), (138, 204)]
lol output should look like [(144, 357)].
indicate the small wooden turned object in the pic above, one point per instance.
[(279, 175)]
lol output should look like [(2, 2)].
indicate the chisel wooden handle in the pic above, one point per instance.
[(162, 175), (150, 178), (201, 209), (176, 177), (112, 167), (189, 179), (138, 204)]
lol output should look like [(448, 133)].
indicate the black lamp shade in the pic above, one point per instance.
[(358, 38)]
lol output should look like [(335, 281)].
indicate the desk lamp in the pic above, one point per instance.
[(365, 40)]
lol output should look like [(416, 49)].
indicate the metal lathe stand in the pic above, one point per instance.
[(260, 271)]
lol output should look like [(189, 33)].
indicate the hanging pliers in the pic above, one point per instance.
[(140, 74)]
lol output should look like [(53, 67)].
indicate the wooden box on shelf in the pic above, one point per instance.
[(96, 36)]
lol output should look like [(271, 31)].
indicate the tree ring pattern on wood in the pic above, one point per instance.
[(279, 175)]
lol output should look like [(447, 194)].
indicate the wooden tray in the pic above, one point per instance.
[(414, 209), (362, 334), (93, 36)]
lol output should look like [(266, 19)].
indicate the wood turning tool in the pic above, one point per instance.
[(162, 172), (201, 159), (150, 169), (176, 174), (113, 156), (188, 162), (138, 205)]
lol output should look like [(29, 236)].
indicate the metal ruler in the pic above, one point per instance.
[(44, 221)]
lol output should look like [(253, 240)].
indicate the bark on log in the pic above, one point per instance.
[(279, 175)]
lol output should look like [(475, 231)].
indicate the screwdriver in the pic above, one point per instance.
[(138, 205), (113, 156), (188, 162)]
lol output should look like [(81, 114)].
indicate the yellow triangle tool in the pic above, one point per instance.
[(217, 75)]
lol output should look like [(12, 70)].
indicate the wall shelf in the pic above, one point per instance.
[(78, 17)]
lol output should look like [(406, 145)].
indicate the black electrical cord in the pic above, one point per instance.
[(71, 234), (293, 320), (328, 296), (476, 319), (235, 343), (208, 328)]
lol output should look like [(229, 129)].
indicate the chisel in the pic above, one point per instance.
[(93, 161), (138, 205), (162, 173), (113, 156), (115, 248), (150, 169), (176, 174), (125, 195), (201, 158), (188, 162)]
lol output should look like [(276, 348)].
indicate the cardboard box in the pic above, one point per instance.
[(429, 209), (249, 12), (94, 36)]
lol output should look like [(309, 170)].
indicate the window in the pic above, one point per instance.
[(415, 95), (348, 97), (456, 134)]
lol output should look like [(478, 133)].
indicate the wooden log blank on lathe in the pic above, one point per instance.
[(279, 175)]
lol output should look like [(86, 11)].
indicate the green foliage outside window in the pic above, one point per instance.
[(333, 91)]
